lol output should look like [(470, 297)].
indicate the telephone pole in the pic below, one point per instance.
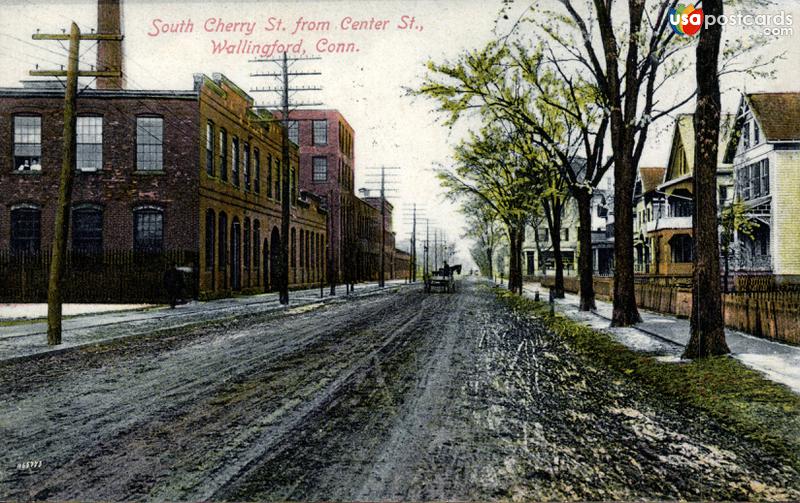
[(59, 251), (410, 217), (383, 175), (287, 194)]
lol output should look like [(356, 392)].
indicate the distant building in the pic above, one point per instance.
[(326, 144), (766, 166), (648, 205)]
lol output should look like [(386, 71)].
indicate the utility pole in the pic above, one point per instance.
[(383, 191), (286, 167), (411, 216), (68, 155)]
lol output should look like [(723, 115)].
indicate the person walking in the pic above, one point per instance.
[(173, 284)]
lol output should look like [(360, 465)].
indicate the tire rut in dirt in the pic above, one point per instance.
[(131, 444)]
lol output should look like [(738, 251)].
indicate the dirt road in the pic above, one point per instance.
[(388, 396)]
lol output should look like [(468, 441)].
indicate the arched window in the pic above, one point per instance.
[(87, 230), (302, 247), (26, 228), (148, 229), (211, 222)]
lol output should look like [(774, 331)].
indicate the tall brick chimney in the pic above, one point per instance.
[(109, 52)]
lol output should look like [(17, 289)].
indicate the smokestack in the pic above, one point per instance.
[(109, 52)]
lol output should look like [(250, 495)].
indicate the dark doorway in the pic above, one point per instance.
[(274, 258), (266, 264), (236, 259)]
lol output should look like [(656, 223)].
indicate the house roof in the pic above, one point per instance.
[(684, 125), (651, 178), (778, 114)]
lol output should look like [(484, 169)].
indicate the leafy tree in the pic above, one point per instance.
[(484, 228), (733, 220)]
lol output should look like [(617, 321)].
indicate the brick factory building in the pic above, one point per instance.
[(162, 176), (327, 168)]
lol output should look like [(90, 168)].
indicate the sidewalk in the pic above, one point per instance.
[(30, 338), (667, 336)]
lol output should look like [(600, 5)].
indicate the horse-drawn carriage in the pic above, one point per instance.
[(442, 279)]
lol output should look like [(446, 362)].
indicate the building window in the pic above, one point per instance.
[(320, 130), (293, 185), (294, 132), (235, 161), (27, 143), (755, 180), (756, 134), (681, 248), (320, 169), (246, 166), (148, 230), (149, 143), (87, 230), (210, 148), (746, 135), (257, 181), (223, 155), (277, 179), (26, 229), (256, 247), (565, 234), (543, 235), (269, 175), (89, 148), (752, 181), (210, 226)]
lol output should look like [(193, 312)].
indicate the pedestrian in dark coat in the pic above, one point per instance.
[(173, 283)]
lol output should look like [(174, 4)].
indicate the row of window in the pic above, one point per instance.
[(247, 237), (87, 229), (89, 137), (242, 163), (319, 132), (752, 181)]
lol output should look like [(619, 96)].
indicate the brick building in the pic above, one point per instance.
[(144, 187), (327, 168), (326, 160)]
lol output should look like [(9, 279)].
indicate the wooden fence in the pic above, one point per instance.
[(769, 314), (114, 276)]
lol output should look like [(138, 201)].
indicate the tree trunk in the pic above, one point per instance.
[(512, 246), (625, 311), (584, 199), (707, 325), (520, 244), (559, 260)]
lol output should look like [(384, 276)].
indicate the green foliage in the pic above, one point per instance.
[(740, 399), (733, 219)]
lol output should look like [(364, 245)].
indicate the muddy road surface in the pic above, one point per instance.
[(395, 395)]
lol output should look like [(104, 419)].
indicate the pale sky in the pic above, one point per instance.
[(366, 86)]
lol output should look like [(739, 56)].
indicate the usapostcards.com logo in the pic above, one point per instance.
[(687, 20)]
